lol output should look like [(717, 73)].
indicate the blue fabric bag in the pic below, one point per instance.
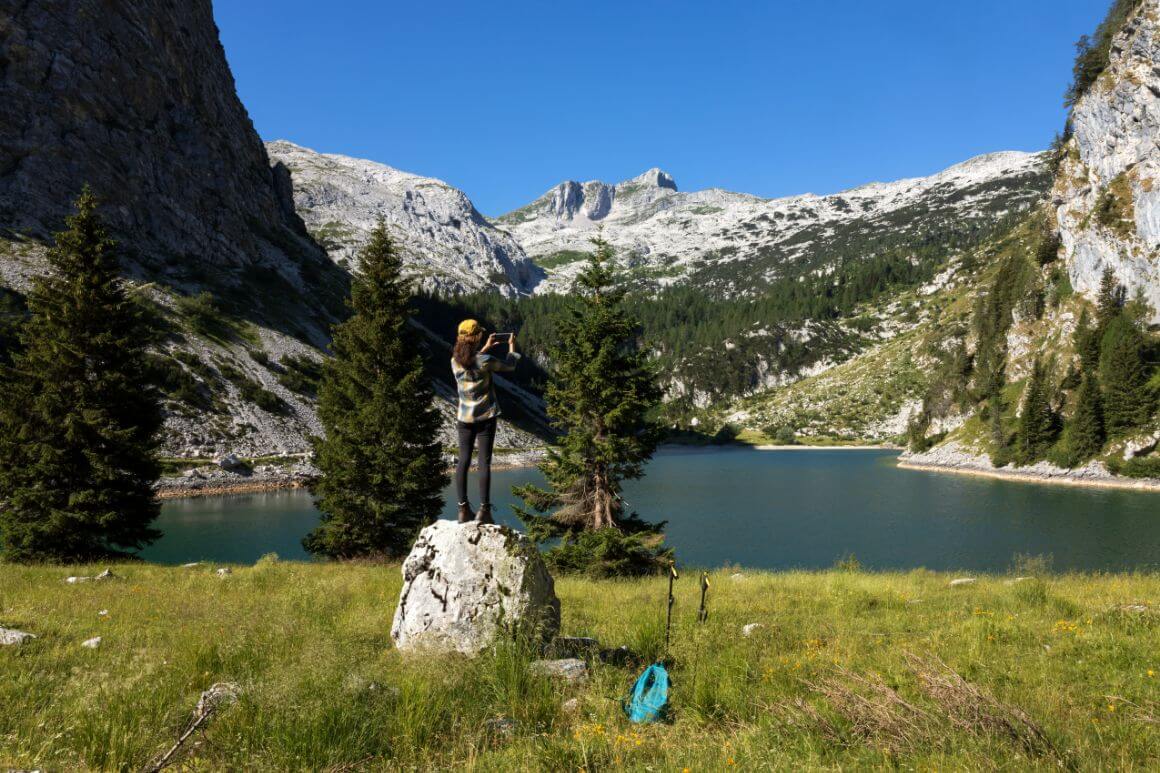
[(649, 701)]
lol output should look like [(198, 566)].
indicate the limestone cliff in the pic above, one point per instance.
[(448, 245), (136, 99), (1107, 191)]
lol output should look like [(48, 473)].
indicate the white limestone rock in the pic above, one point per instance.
[(1114, 151), (10, 637), (447, 244), (92, 644), (567, 669), (105, 575), (465, 585)]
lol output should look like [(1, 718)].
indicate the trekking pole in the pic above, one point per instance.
[(669, 615), (703, 612)]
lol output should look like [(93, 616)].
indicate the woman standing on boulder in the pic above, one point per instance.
[(473, 365)]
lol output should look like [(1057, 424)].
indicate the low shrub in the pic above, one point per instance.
[(252, 391), (610, 553), (300, 374)]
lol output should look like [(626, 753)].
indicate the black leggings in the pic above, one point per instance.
[(484, 431)]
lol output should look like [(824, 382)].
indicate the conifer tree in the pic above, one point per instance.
[(600, 394), (1085, 431), (1109, 301), (1127, 402), (78, 422), (1087, 343), (381, 461), (1037, 422), (1000, 441)]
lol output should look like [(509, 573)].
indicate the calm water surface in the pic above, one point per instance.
[(771, 509)]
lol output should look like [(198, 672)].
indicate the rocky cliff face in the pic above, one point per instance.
[(1107, 192), (735, 242), (449, 245), (134, 97)]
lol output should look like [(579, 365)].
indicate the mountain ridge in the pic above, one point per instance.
[(681, 236), (451, 247)]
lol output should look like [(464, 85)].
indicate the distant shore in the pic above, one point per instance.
[(956, 459), (1134, 484), (880, 447), (211, 481)]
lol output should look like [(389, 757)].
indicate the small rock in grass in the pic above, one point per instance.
[(11, 637), (961, 581), (1136, 608), (225, 571), (92, 643), (568, 669), (501, 726), (751, 628), (618, 656), (105, 575)]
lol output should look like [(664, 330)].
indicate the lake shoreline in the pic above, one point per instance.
[(1120, 482), (220, 483), (1056, 476), (799, 447)]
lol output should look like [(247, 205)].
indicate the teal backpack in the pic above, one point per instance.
[(649, 701)]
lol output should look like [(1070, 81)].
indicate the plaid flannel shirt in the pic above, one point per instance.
[(476, 393)]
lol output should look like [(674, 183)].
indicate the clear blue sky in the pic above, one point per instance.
[(771, 97)]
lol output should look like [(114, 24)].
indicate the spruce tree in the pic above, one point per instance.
[(381, 460), (1000, 441), (1087, 343), (1037, 422), (78, 422), (1109, 301), (1126, 400), (1085, 431), (600, 394)]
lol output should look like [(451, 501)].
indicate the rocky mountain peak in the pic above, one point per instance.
[(448, 245), (653, 178)]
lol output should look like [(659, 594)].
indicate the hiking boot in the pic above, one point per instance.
[(484, 514), (465, 514)]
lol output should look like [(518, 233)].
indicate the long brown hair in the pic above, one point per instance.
[(466, 347)]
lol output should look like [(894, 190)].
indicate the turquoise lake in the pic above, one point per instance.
[(772, 510)]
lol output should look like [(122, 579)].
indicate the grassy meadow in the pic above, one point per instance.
[(851, 670)]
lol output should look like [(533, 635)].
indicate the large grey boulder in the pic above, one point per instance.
[(465, 585)]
